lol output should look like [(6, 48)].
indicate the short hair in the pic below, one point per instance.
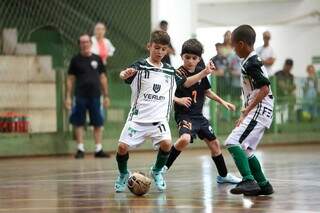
[(288, 61), (192, 46), (244, 33), (160, 37), (163, 23), (84, 34), (218, 44)]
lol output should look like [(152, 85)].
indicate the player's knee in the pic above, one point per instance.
[(184, 140), (214, 147), (122, 148), (165, 145)]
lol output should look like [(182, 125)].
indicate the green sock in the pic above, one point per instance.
[(122, 161), (241, 161), (257, 171), (162, 158)]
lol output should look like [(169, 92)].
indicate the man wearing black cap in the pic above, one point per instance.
[(286, 87)]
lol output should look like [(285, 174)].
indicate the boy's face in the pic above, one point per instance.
[(157, 51), (239, 48), (190, 61)]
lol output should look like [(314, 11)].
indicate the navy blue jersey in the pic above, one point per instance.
[(196, 92)]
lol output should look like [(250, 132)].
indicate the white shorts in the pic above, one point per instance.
[(248, 134), (134, 134)]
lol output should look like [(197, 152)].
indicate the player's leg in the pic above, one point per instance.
[(131, 136), (206, 133), (185, 128), (122, 158), (78, 119), (259, 176), (218, 159), (96, 120), (161, 137), (248, 185)]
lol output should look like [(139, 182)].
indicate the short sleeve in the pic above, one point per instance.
[(179, 79), (101, 67), (206, 83), (256, 73), (72, 69), (134, 66)]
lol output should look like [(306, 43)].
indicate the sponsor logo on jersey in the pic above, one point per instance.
[(156, 88), (152, 97), (94, 64)]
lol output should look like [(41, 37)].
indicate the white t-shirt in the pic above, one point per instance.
[(264, 53)]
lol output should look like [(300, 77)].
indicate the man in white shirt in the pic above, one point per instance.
[(266, 53)]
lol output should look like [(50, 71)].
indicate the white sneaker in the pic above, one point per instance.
[(228, 179), (164, 169)]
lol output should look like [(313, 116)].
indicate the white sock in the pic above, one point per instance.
[(81, 147), (98, 147)]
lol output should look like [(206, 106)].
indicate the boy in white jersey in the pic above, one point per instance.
[(255, 118), (153, 85)]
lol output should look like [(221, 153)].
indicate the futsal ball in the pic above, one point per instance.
[(139, 183)]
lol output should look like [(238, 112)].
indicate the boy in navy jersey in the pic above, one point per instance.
[(188, 112)]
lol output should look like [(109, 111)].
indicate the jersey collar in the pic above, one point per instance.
[(149, 62), (249, 56)]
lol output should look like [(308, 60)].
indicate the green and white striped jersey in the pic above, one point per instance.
[(254, 75), (152, 91)]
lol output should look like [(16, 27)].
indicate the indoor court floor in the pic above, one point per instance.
[(63, 184)]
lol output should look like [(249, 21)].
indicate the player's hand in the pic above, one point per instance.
[(243, 114), (68, 103), (127, 73), (185, 101), (106, 102), (229, 106), (210, 68)]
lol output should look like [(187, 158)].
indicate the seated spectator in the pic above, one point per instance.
[(285, 80), (310, 92), (285, 90), (100, 45)]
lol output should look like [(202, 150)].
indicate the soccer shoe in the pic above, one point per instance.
[(228, 179), (158, 179), (101, 154), (164, 170), (79, 155), (246, 187), (266, 190), (121, 182)]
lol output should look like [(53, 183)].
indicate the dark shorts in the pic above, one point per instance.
[(80, 108), (195, 126)]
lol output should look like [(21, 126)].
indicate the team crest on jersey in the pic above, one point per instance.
[(156, 88), (94, 64)]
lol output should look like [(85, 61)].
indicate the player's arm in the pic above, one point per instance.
[(69, 87), (263, 85), (184, 101), (105, 90), (213, 96), (269, 61), (210, 68), (127, 73)]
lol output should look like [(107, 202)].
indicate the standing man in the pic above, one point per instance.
[(87, 72), (163, 25), (266, 53)]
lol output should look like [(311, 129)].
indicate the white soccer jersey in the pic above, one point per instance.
[(152, 92), (254, 76)]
